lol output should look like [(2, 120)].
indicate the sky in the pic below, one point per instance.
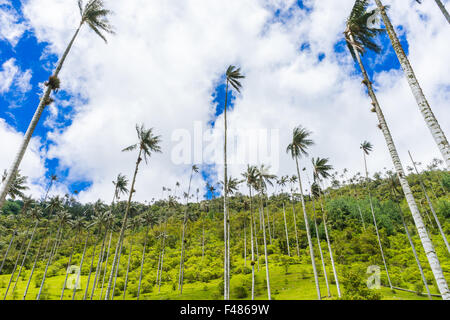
[(165, 67)]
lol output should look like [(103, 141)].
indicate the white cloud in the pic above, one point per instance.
[(11, 30), (162, 66), (12, 76)]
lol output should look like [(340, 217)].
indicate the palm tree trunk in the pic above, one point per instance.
[(421, 230), (444, 11), (251, 242), (106, 263), (286, 230), (162, 263), (68, 266), (81, 266), (268, 223), (48, 263), (424, 107), (375, 222), (15, 165), (360, 214), (25, 256), (320, 249), (245, 243), (261, 208), (34, 265), (308, 234), (7, 250), (225, 211), (17, 261), (124, 223), (98, 270), (90, 268), (330, 250), (142, 262), (116, 271), (430, 205), (128, 269), (295, 226)]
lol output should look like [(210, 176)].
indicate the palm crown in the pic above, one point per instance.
[(300, 142), (148, 142), (233, 75), (357, 26), (17, 186), (96, 16), (120, 185), (366, 147), (321, 168)]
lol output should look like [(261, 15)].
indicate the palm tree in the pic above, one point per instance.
[(250, 176), (297, 148), (77, 224), (233, 76), (95, 16), (431, 121), (17, 185), (53, 178), (359, 37), (263, 178), (148, 143), (321, 171), (62, 218), (366, 148), (438, 223), (120, 186), (194, 169)]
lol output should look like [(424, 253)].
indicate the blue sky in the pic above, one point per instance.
[(38, 56)]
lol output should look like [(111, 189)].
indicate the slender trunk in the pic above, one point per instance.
[(106, 264), (295, 226), (98, 269), (142, 262), (90, 268), (124, 223), (261, 212), (34, 265), (15, 165), (245, 244), (251, 242), (430, 205), (421, 230), (128, 269), (81, 266), (422, 102), (225, 211), (48, 264), (25, 256), (7, 250), (444, 11), (286, 230), (360, 214), (17, 261), (375, 221), (116, 271), (162, 263), (68, 266), (320, 248), (308, 234), (268, 223)]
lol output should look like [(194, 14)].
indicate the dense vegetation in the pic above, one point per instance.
[(355, 248)]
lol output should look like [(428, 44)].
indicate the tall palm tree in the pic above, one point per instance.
[(431, 121), (297, 148), (366, 148), (250, 176), (442, 7), (321, 171), (194, 169), (95, 16), (233, 76), (436, 219), (120, 186), (263, 178), (77, 224), (53, 178), (147, 144), (359, 37)]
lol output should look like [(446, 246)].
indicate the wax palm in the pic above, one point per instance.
[(120, 186), (321, 168), (95, 16), (422, 102), (148, 143), (17, 186), (423, 234), (297, 148)]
